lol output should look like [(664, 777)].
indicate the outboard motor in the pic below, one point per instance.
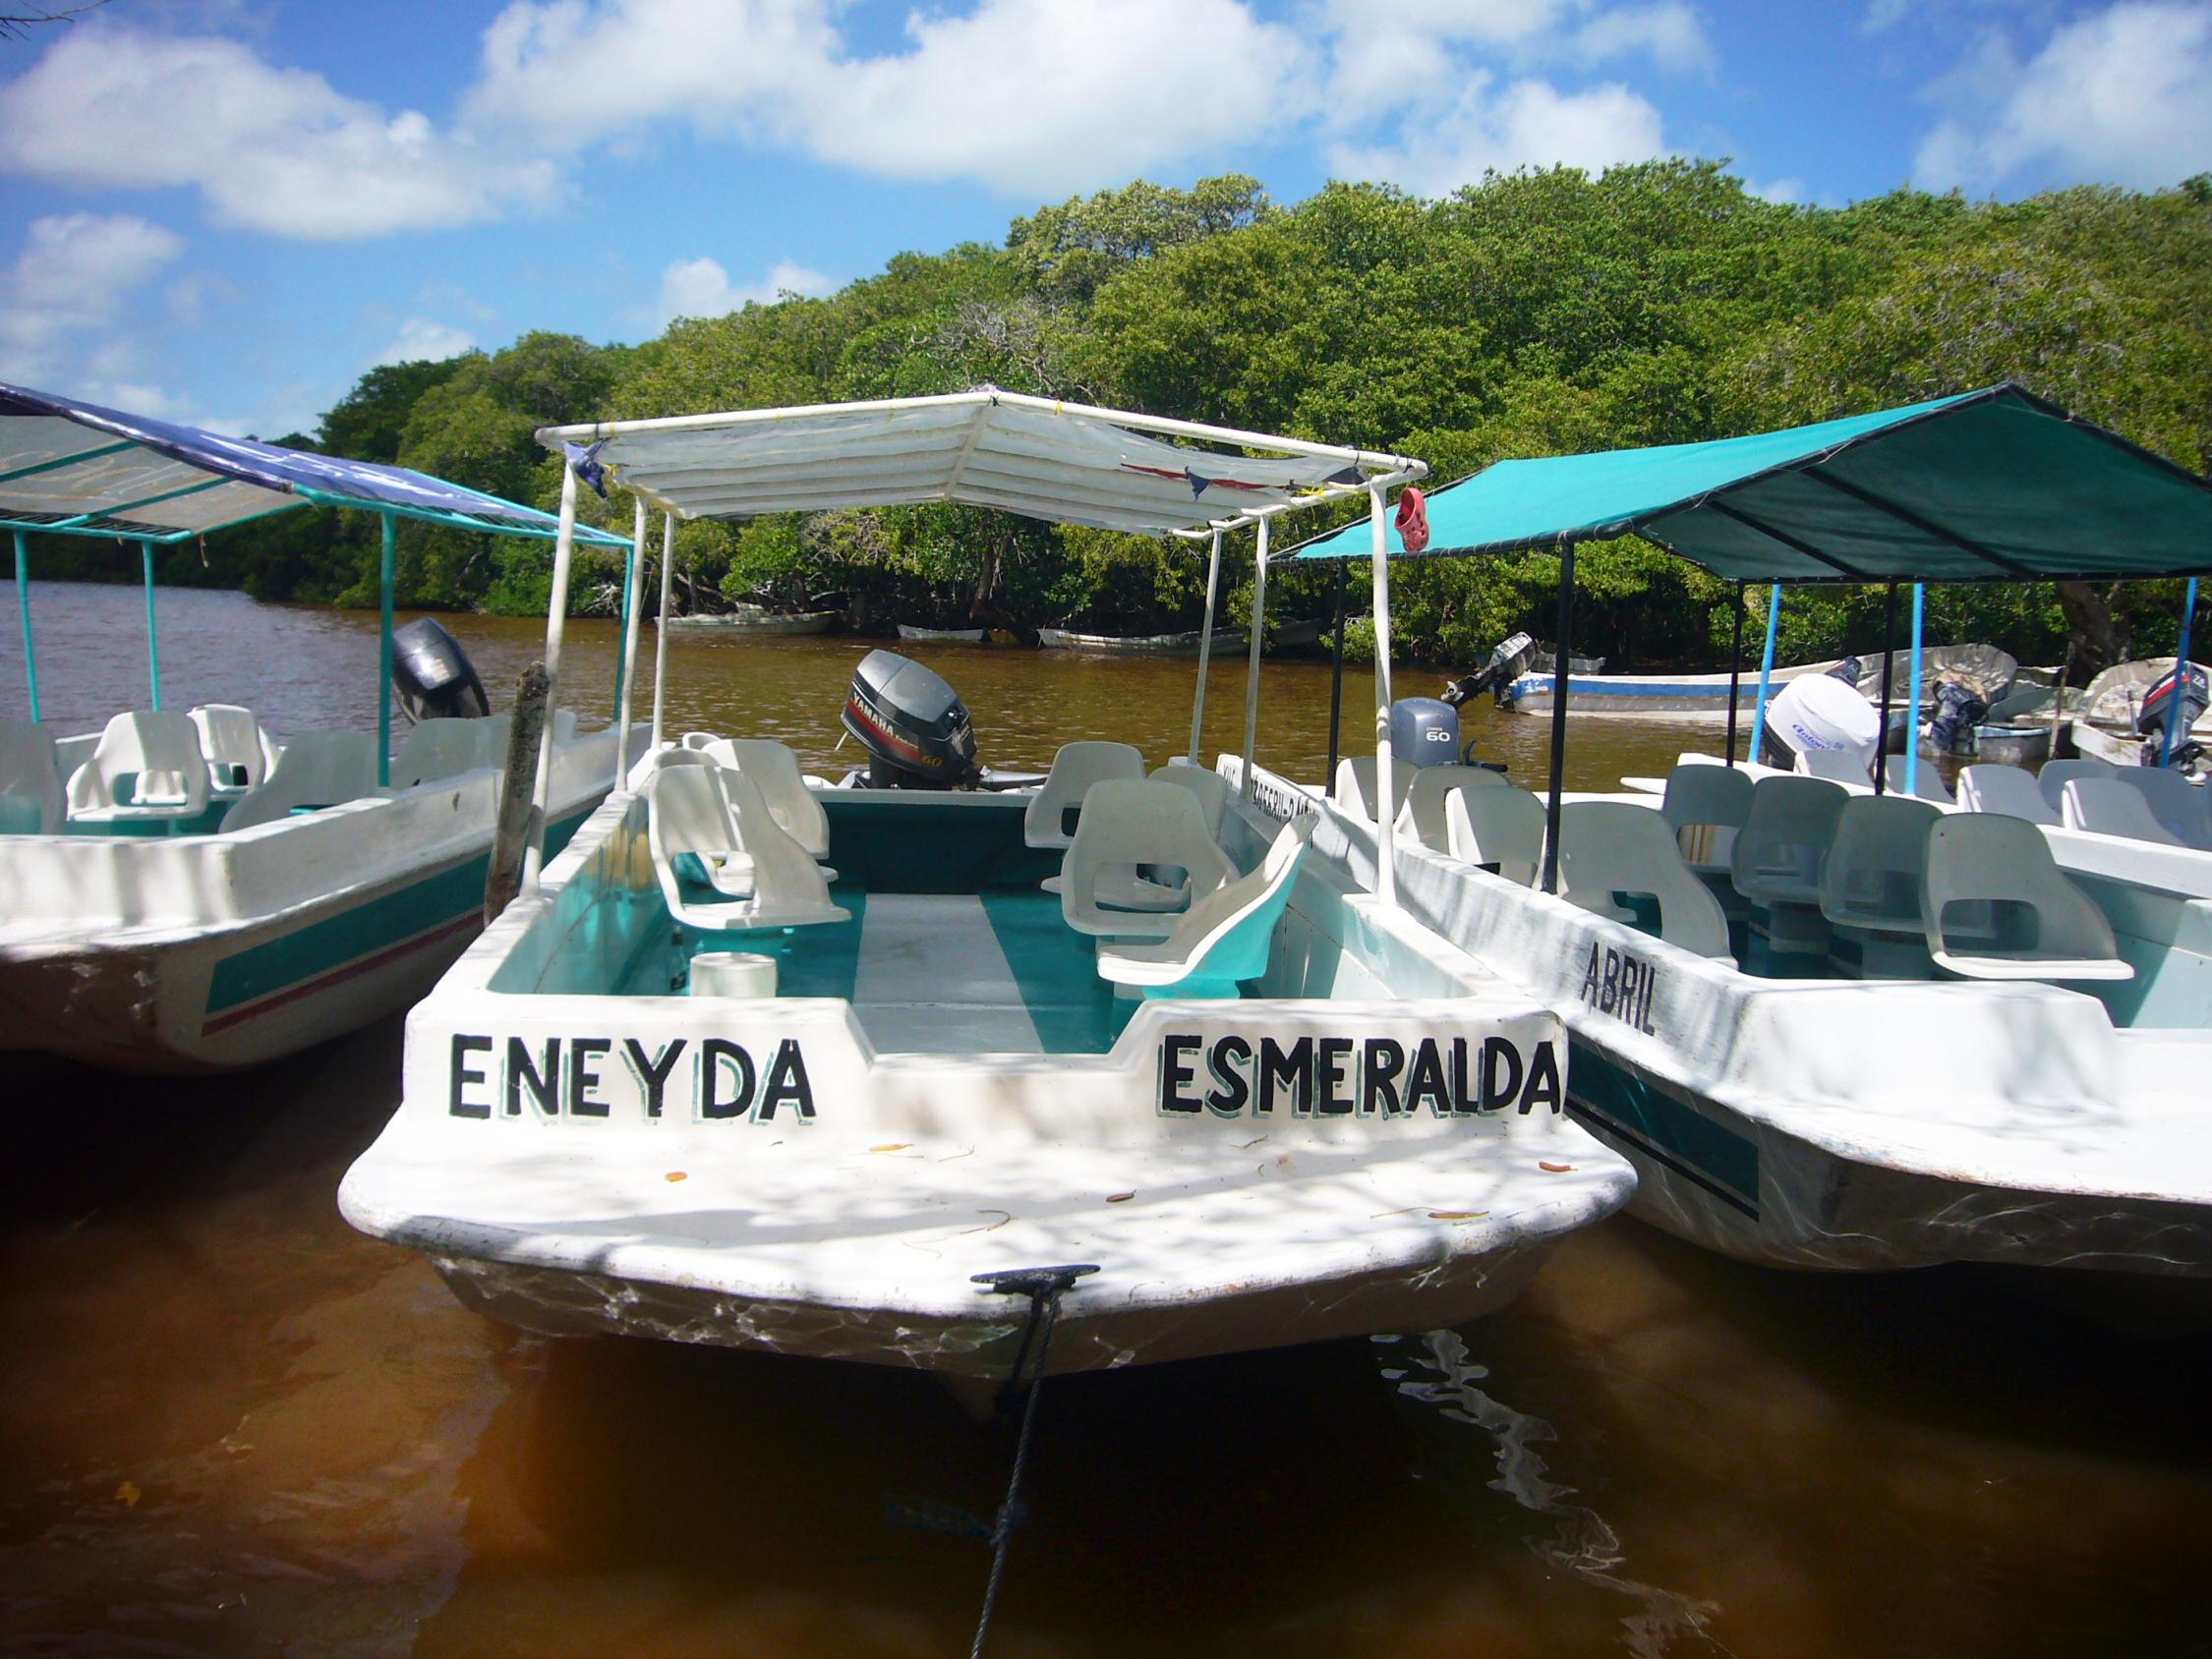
[(1959, 711), (1850, 671), (1424, 732), (2196, 696), (913, 726), (1500, 671), (433, 674)]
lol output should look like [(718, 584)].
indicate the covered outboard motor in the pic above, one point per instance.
[(1959, 711), (433, 674), (2196, 696), (913, 726), (1822, 711), (1424, 732)]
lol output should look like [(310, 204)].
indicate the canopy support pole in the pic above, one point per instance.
[(556, 618), (1559, 715), (387, 566), (153, 640), (2172, 708), (625, 672), (1252, 671), (1889, 664), (23, 609), (1205, 651), (1912, 692), (1385, 836), (1766, 671), (1336, 681), (1735, 674), (661, 632)]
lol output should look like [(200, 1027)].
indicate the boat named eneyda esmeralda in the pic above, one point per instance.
[(943, 1085)]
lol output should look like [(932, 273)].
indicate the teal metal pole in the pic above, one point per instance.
[(22, 608), (1912, 696), (2180, 678), (152, 643), (1766, 669), (386, 575)]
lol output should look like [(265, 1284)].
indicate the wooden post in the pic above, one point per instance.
[(517, 826)]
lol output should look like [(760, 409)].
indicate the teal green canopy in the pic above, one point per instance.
[(1993, 485)]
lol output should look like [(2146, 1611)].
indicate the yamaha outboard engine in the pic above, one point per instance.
[(1959, 711), (2196, 696), (1424, 732), (913, 726), (433, 674)]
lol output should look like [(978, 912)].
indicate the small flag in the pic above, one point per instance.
[(585, 463)]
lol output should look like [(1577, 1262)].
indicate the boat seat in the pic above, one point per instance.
[(315, 769), (699, 739), (1500, 829), (1075, 769), (32, 799), (1611, 848), (1127, 822), (1927, 783), (1776, 860), (1423, 815), (1354, 791), (1705, 806), (2056, 774), (2009, 790), (701, 814), (2043, 926), (2107, 807), (564, 724), (439, 749), (493, 732), (1225, 938), (160, 754), (1836, 766), (775, 771), (2182, 807), (1871, 882), (239, 752), (1210, 787)]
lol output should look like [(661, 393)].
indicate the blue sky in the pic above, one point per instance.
[(225, 211)]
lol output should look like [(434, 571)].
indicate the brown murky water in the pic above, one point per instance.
[(229, 1425)]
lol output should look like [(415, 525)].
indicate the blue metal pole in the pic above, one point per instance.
[(2180, 677), (22, 608), (1765, 668), (152, 645), (1912, 696), (387, 572)]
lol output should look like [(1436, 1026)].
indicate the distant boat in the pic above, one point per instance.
[(2108, 725), (962, 635), (1138, 644), (762, 622), (1705, 697)]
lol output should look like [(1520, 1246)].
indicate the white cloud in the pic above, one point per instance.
[(1529, 123), (702, 288), (76, 273), (1786, 193), (1881, 16), (269, 148), (423, 339), (1670, 35), (2119, 98)]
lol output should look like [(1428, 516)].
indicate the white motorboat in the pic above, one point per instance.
[(696, 1086)]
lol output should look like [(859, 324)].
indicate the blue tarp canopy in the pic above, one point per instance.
[(1996, 484), (75, 469)]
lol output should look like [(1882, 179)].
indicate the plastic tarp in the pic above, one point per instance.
[(1989, 485), (77, 466), (1064, 463)]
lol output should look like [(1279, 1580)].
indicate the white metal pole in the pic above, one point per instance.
[(1252, 672), (1385, 840), (556, 618), (1205, 652), (629, 646), (661, 632)]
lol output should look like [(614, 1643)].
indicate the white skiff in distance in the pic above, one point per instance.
[(766, 623), (949, 635)]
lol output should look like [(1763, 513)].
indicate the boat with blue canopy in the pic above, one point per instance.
[(181, 891)]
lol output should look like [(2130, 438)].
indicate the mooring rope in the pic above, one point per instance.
[(1043, 1286)]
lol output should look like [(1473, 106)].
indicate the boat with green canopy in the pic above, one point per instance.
[(180, 890)]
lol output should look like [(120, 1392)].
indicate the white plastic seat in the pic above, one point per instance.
[(1423, 815), (31, 797), (699, 739), (1075, 769), (775, 771), (1224, 938), (317, 768), (1875, 865), (493, 731), (2056, 774), (1838, 766), (1609, 848), (1354, 790), (564, 724), (709, 813), (161, 753), (438, 749), (1127, 822), (1501, 828), (1927, 782), (2001, 867), (238, 751), (1210, 787), (2009, 790), (1705, 806), (1777, 856), (2181, 806), (2105, 806)]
